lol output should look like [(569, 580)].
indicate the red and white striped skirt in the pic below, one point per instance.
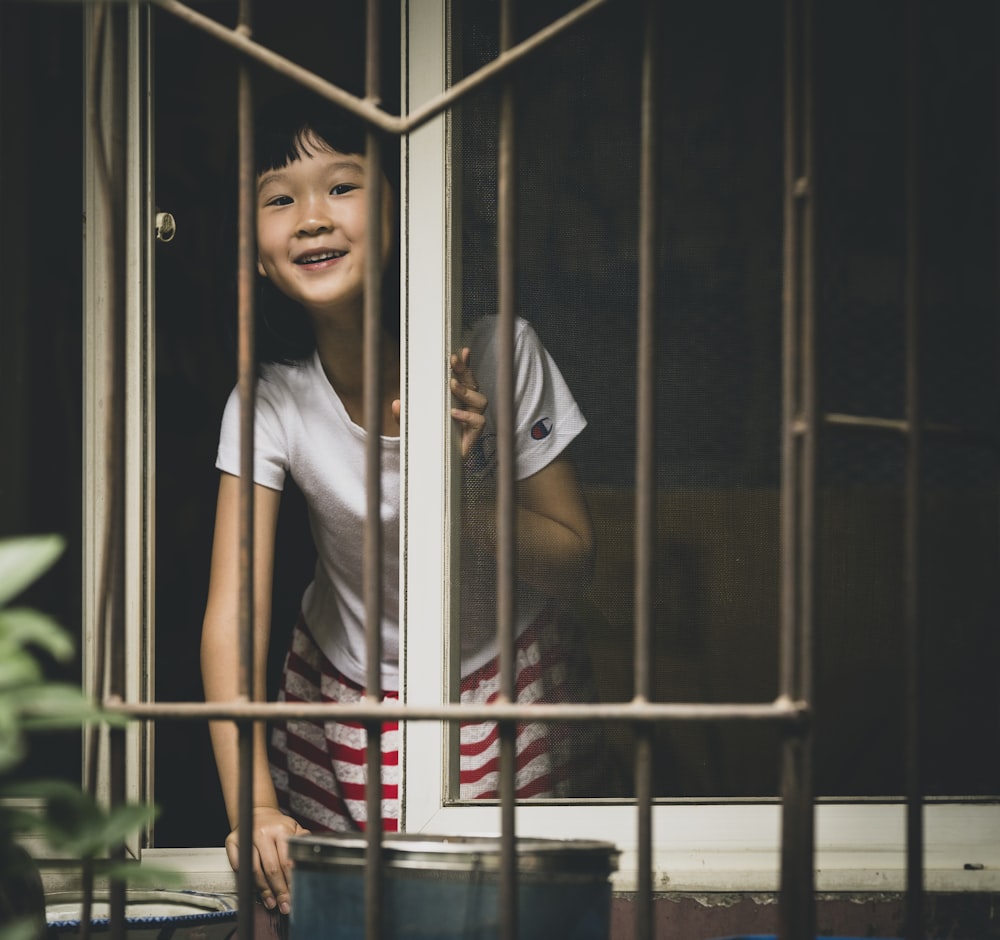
[(319, 769)]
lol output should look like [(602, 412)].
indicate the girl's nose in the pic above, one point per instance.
[(314, 224), (315, 218)]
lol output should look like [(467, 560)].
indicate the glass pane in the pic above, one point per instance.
[(960, 698), (860, 617)]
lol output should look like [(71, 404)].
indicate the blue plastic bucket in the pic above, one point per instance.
[(448, 887)]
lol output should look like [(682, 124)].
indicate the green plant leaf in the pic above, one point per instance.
[(18, 668), (24, 559), (107, 830), (73, 822), (24, 626), (12, 745), (54, 706)]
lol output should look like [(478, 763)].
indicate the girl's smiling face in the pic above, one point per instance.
[(311, 227)]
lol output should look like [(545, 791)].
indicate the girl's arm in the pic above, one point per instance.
[(555, 537), (220, 668)]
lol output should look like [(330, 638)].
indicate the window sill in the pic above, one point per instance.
[(703, 848)]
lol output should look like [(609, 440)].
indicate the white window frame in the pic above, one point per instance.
[(698, 846)]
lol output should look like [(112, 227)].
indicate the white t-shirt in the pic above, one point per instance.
[(302, 428)]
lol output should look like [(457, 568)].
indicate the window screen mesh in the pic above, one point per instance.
[(719, 302)]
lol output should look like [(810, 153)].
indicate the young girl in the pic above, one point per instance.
[(312, 192)]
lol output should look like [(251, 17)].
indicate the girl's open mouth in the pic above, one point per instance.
[(319, 257)]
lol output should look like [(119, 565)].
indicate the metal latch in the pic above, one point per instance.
[(166, 228)]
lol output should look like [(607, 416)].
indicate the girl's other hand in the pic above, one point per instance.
[(271, 865), (470, 402)]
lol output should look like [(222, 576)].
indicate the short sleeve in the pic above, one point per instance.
[(270, 448), (547, 415)]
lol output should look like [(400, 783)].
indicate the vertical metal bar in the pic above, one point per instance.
[(100, 206), (373, 467), (140, 437), (645, 504), (809, 404), (506, 531), (914, 918), (107, 133), (246, 382), (790, 364), (798, 497), (115, 609)]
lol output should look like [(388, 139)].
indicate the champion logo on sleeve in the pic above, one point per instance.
[(541, 429)]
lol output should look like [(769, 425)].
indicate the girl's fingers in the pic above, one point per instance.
[(283, 856), (472, 428), (470, 401), (460, 361), (463, 382), (471, 419), (270, 875), (470, 396), (271, 867), (260, 882)]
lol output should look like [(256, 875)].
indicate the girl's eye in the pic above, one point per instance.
[(279, 201), (342, 189)]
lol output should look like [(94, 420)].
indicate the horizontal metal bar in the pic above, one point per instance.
[(780, 711), (362, 107), (902, 426)]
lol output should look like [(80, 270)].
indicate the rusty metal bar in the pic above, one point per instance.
[(113, 606), (780, 712), (499, 66), (914, 914), (798, 498), (373, 541), (645, 470), (243, 43), (506, 519), (983, 436), (247, 388), (809, 442), (106, 74), (361, 106)]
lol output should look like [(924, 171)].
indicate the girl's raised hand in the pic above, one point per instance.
[(470, 402)]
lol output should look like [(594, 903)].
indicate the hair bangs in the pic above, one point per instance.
[(291, 125)]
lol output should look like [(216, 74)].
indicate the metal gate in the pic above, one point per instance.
[(802, 425)]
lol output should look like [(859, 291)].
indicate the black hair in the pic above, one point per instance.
[(283, 330)]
